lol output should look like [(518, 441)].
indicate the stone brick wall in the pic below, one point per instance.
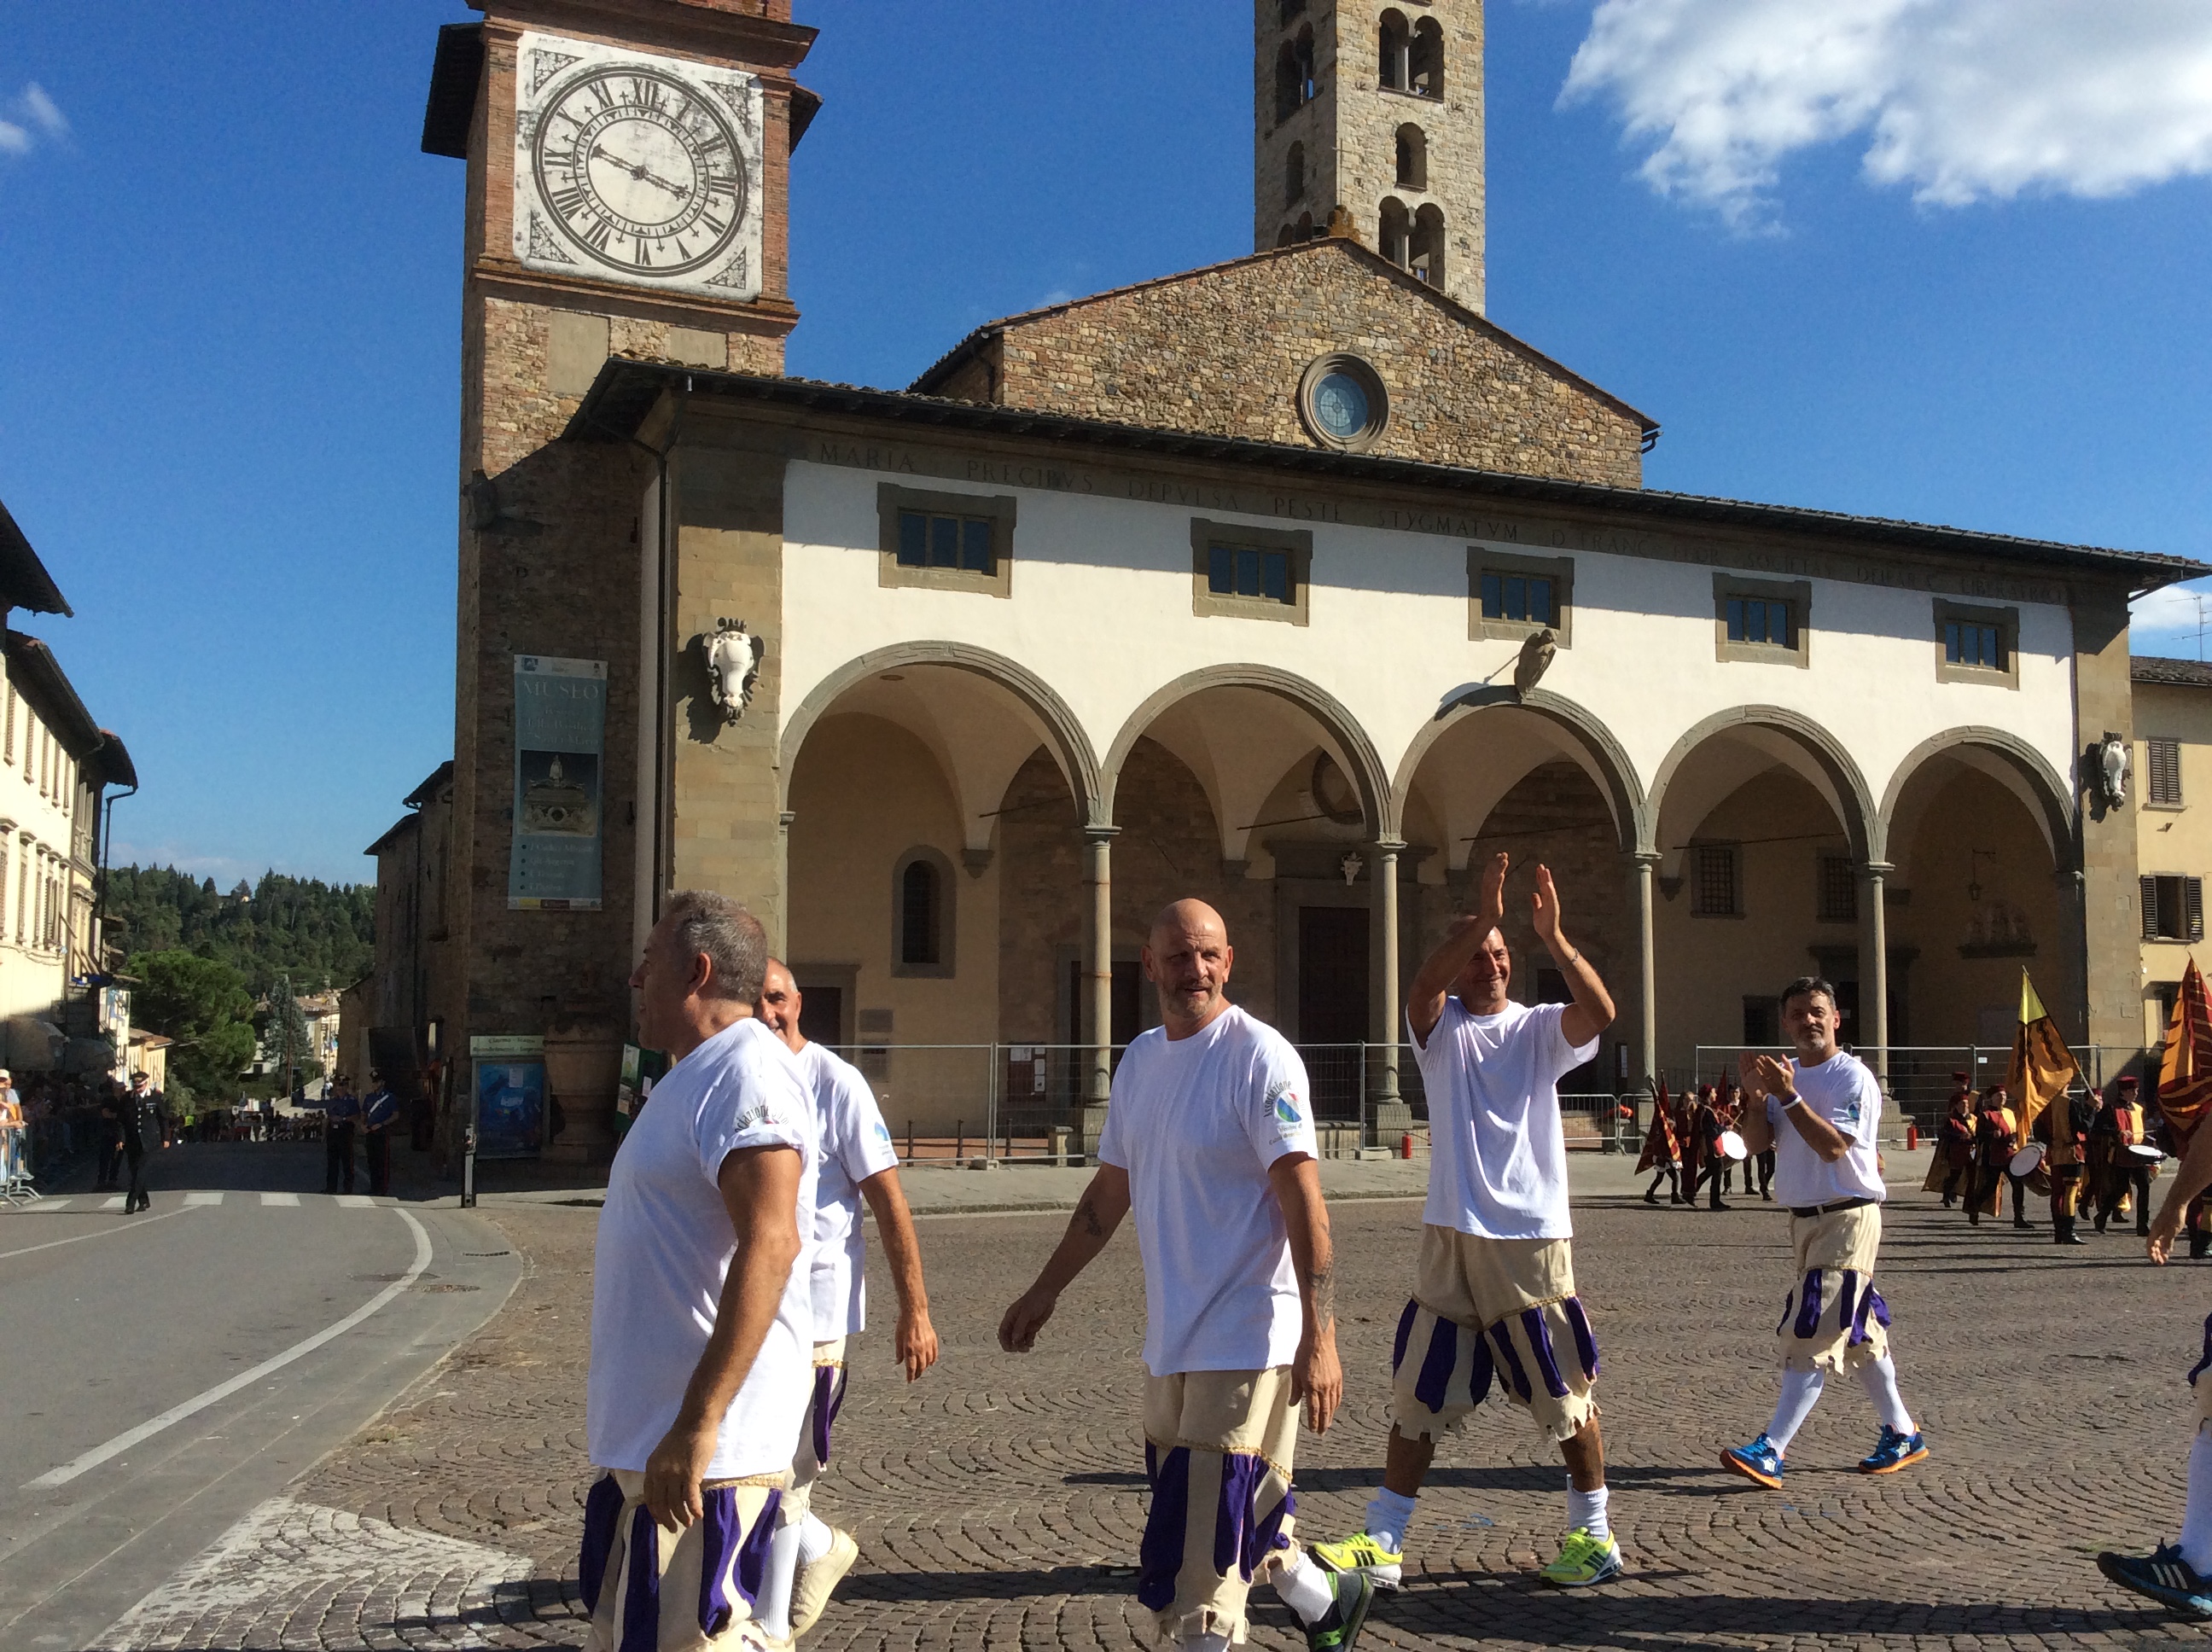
[(1222, 350), (1348, 132)]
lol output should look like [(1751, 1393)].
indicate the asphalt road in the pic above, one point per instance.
[(163, 1375)]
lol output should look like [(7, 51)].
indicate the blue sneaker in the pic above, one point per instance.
[(1759, 1461), (1893, 1452), (2162, 1575)]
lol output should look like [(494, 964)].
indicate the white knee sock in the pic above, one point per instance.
[(1799, 1390), (2197, 1522), (1388, 1518), (1879, 1378), (1586, 1512), (814, 1539), (772, 1612), (1305, 1588), (1207, 1643)]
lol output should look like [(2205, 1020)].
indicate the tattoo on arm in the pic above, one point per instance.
[(1322, 1282), (1091, 1224)]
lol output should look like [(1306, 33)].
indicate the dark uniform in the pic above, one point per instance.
[(341, 1109), (1717, 1164), (380, 1110), (1954, 1145), (141, 1133)]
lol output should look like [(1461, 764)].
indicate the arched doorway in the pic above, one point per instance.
[(1762, 832)]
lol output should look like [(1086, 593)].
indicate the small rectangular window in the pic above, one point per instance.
[(1976, 645), (1840, 889), (1255, 573), (2165, 766), (2172, 907), (1713, 867), (1510, 596), (955, 542), (1762, 621)]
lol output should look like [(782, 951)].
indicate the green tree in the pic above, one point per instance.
[(202, 1003), (322, 935)]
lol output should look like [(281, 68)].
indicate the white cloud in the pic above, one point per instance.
[(2170, 617), (27, 118), (1959, 100)]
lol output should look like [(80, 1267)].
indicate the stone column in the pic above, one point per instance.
[(1647, 969), (1391, 1116), (1099, 950), (779, 937), (1874, 965)]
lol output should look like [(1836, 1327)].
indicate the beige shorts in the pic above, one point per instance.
[(813, 1457), (1217, 1449), (660, 1603), (1485, 1307), (1833, 1319)]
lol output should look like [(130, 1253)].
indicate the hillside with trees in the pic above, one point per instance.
[(321, 935)]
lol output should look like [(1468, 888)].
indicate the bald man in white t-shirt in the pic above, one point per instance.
[(1494, 1286), (1210, 1143)]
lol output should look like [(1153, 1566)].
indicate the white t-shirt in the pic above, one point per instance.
[(665, 1248), (1843, 1091), (1497, 1164), (1196, 1121), (855, 1145)]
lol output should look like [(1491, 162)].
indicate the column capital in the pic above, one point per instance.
[(1385, 845), (1877, 868), (1097, 834), (1646, 856)]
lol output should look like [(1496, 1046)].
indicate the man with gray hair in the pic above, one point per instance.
[(702, 1317)]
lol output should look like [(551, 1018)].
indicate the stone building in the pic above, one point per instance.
[(2172, 782), (1218, 584)]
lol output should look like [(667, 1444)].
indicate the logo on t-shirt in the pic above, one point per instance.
[(882, 1131), (1283, 1102)]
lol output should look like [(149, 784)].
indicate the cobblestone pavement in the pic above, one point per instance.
[(998, 1501)]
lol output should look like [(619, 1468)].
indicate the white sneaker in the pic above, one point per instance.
[(817, 1579)]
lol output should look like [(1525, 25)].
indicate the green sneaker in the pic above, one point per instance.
[(1337, 1628), (1583, 1561), (1361, 1554)]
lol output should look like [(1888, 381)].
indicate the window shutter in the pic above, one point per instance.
[(2194, 888), (2149, 908), (2165, 771)]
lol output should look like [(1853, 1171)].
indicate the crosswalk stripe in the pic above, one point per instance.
[(280, 1199), (356, 1202), (114, 1204), (204, 1199), (51, 1205)]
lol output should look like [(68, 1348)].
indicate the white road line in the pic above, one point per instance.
[(103, 1233), (280, 1199), (203, 1199), (51, 1205), (356, 1202), (114, 1204), (153, 1425)]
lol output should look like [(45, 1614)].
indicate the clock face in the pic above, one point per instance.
[(641, 172), (637, 168)]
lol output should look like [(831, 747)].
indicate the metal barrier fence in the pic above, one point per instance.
[(1919, 1081), (987, 1103)]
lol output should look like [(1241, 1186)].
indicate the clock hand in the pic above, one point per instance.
[(643, 173)]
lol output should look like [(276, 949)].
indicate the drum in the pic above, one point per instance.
[(2145, 1151), (2028, 1160), (2037, 1181), (1732, 1144)]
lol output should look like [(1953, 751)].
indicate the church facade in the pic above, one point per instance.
[(1292, 583)]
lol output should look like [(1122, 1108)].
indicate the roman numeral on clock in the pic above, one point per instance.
[(568, 202)]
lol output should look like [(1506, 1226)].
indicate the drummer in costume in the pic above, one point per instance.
[(1663, 1153), (1996, 1140), (1822, 1110), (1952, 1166), (1759, 1165), (1685, 1133), (2063, 1155), (2131, 1160)]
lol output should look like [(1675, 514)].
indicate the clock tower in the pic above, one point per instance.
[(627, 190), (1373, 109)]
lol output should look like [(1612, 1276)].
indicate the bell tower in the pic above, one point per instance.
[(1374, 106)]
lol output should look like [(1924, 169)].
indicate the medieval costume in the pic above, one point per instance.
[(1951, 1167), (1996, 1139), (2118, 1129), (1663, 1152)]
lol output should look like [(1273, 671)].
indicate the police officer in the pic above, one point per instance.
[(380, 1111), (341, 1111), (142, 1132)]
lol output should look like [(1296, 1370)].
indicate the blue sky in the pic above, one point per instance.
[(231, 369)]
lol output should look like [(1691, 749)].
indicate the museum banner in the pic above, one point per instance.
[(560, 744)]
